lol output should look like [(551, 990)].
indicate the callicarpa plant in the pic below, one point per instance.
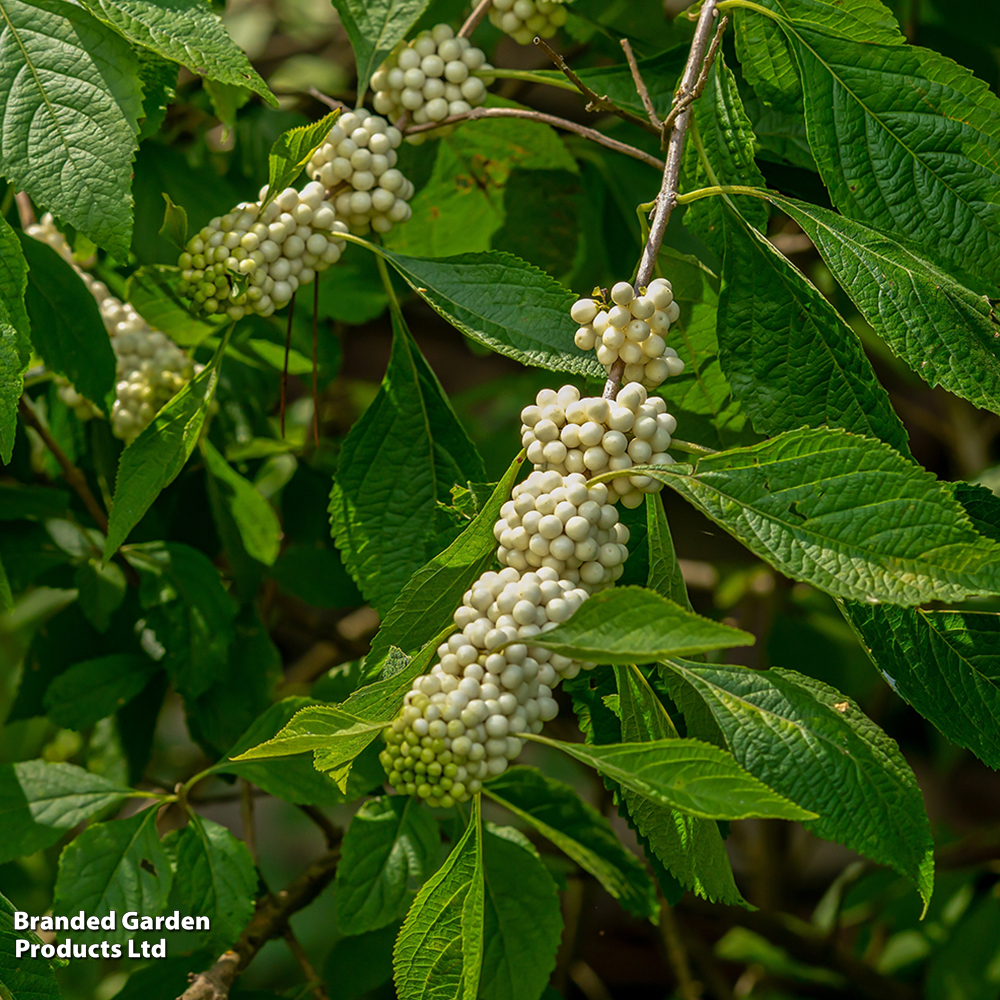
[(357, 377)]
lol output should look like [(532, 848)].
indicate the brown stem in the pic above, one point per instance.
[(640, 86), (24, 210), (302, 960), (331, 102), (472, 21), (269, 922), (537, 116), (70, 472), (595, 102), (677, 122), (247, 817), (332, 832)]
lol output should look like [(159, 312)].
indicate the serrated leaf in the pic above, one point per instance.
[(374, 27), (723, 135), (175, 223), (70, 91), (504, 303), (215, 878), (429, 598), (66, 325), (812, 744), (254, 516), (944, 331), (94, 689), (635, 625), (41, 802), (391, 847), (920, 161), (292, 150), (694, 777), (788, 355), (439, 951), (556, 811), (689, 848), (120, 866), (665, 576), (946, 664), (15, 334), (24, 977), (522, 922), (796, 500), (188, 32), (155, 458), (188, 609), (396, 464)]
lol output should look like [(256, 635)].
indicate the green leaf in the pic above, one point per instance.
[(464, 202), (504, 303), (155, 458), (35, 503), (117, 866), (788, 355), (391, 847), (188, 32), (694, 777), (665, 576), (292, 779), (292, 150), (396, 464), (70, 92), (374, 27), (439, 951), (723, 137), (944, 331), (41, 802), (66, 325), (94, 689), (23, 978), (152, 292), (921, 160), (15, 334), (429, 598), (946, 664), (965, 965), (796, 501), (175, 223), (357, 965), (254, 516), (215, 878), (522, 921), (688, 847), (556, 811), (813, 745), (635, 625), (189, 611), (102, 590)]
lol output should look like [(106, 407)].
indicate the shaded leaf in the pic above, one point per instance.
[(15, 334), (23, 978), (292, 150), (94, 689)]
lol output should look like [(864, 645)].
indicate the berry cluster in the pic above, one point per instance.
[(562, 523), (253, 260), (150, 367), (431, 78), (566, 434), (631, 327), (523, 19), (460, 724), (357, 167)]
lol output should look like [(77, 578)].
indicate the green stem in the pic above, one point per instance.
[(721, 189), (386, 280), (8, 201), (528, 76), (690, 448), (747, 5)]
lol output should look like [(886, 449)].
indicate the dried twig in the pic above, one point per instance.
[(640, 86), (595, 102), (537, 116), (24, 210), (472, 21), (696, 70), (269, 922), (302, 960), (70, 472)]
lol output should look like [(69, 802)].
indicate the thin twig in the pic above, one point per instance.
[(70, 472), (332, 832), (687, 988), (595, 102), (24, 210), (284, 370), (331, 102), (640, 86), (472, 21), (269, 922), (302, 960), (677, 120), (537, 116), (315, 376), (246, 815)]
